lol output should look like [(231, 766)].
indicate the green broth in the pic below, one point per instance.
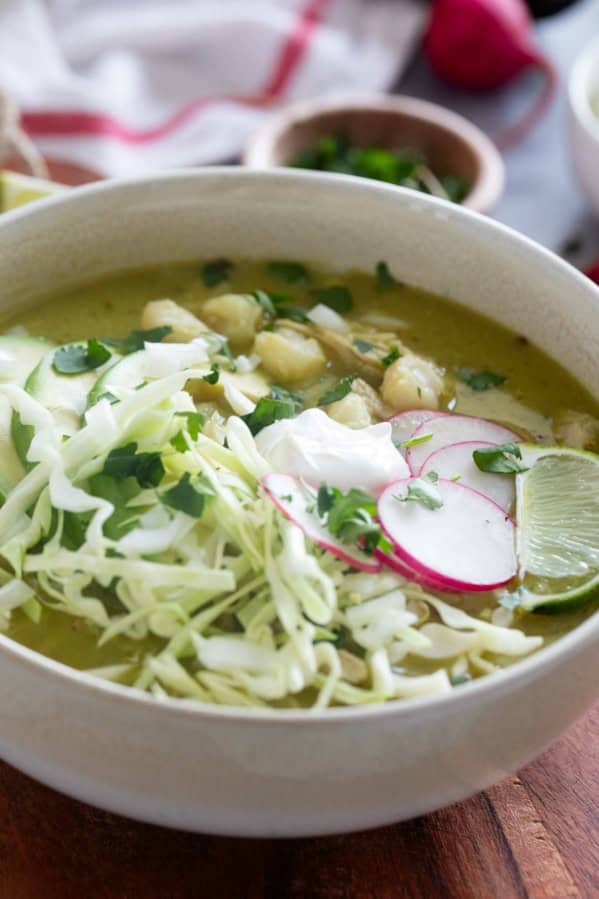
[(536, 387)]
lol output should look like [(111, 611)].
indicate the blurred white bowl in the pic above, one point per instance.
[(584, 120)]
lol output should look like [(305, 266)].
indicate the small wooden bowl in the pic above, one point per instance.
[(448, 142)]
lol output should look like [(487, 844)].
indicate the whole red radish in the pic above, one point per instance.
[(485, 44)]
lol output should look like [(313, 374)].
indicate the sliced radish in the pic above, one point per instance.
[(297, 502), (448, 429), (467, 544), (456, 462), (390, 560), (405, 423)]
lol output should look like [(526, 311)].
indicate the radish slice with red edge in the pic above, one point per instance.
[(466, 544), (297, 502), (448, 429), (456, 462), (405, 423), (397, 565)]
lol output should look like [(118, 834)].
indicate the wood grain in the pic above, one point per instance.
[(535, 836)]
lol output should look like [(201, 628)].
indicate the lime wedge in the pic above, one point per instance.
[(558, 527), (16, 189)]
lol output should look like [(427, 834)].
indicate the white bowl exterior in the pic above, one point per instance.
[(289, 773), (584, 123)]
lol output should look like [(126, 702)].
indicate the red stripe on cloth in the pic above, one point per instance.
[(62, 123)]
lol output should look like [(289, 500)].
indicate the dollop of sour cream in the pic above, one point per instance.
[(322, 451)]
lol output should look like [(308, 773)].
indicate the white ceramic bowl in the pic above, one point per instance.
[(584, 121), (281, 773)]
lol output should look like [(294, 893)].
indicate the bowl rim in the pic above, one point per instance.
[(485, 192), (586, 63), (91, 686)]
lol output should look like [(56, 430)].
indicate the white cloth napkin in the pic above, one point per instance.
[(127, 86)]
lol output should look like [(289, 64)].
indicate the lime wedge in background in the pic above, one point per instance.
[(17, 189), (558, 527)]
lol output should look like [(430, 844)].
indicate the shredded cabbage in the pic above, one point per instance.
[(236, 605)]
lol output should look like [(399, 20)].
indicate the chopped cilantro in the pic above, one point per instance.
[(215, 271), (423, 490), (502, 459), (265, 302), (341, 389), (335, 153), (384, 278), (480, 380), (118, 491), (126, 462), (287, 396), (455, 186), (363, 346), (292, 272), (213, 375), (136, 340), (184, 497), (225, 350), (179, 442), (194, 421), (336, 296), (392, 356), (459, 679), (79, 357), (267, 411), (350, 516), (293, 313)]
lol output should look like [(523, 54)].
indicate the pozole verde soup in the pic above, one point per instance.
[(203, 497)]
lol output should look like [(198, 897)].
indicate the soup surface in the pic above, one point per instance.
[(159, 554)]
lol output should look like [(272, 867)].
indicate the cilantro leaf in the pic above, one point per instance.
[(215, 271), (194, 421), (363, 346), (265, 302), (458, 680), (341, 389), (223, 349), (336, 296), (119, 491), (292, 272), (184, 497), (423, 490), (293, 313), (287, 396), (480, 380), (267, 411), (350, 516), (392, 356), (502, 459), (137, 339), (384, 278), (455, 186), (126, 462), (213, 375), (79, 357)]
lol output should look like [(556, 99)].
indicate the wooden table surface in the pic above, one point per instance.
[(535, 835)]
